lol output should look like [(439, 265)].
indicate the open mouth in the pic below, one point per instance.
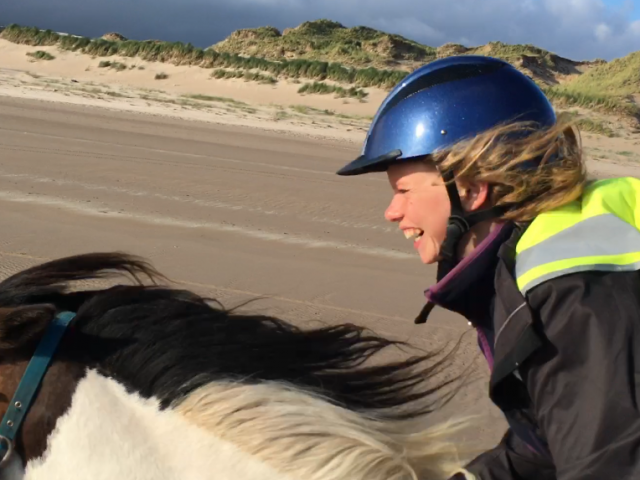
[(414, 234)]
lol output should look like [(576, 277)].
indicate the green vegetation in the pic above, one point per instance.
[(512, 53), (306, 110), (36, 37), (178, 53), (324, 88), (41, 55), (595, 126), (620, 77), (280, 115), (608, 87), (327, 40), (161, 76), (299, 68), (231, 102), (246, 74), (363, 47), (115, 65), (211, 98), (568, 96), (588, 124)]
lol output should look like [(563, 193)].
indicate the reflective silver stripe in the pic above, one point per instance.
[(604, 234), (602, 267)]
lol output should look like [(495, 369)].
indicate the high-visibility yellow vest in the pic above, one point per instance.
[(600, 231)]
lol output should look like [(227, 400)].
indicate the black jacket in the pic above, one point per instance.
[(565, 365)]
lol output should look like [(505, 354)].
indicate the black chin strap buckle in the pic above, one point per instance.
[(456, 228)]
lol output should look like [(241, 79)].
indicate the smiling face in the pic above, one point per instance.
[(421, 206)]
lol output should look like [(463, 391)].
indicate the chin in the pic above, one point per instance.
[(428, 259)]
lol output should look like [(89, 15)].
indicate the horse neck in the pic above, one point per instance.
[(110, 433), (231, 431), (52, 401)]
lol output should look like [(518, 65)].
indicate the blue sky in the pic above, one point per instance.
[(632, 6), (578, 29)]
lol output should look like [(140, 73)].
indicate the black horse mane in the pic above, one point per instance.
[(165, 342)]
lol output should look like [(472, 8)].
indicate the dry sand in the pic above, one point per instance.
[(236, 198)]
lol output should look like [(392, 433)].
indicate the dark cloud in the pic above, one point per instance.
[(579, 29)]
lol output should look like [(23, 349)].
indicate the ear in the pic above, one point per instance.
[(473, 195), (19, 326)]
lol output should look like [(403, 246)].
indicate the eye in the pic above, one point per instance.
[(403, 190)]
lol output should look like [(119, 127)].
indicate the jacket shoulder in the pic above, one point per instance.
[(598, 232)]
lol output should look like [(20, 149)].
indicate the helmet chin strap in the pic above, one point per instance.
[(459, 224)]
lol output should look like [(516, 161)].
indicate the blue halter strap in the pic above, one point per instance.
[(30, 382)]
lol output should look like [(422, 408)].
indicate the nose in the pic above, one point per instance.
[(395, 210)]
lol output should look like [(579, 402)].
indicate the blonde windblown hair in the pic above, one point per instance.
[(497, 156)]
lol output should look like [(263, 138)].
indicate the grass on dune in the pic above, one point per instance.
[(178, 53), (340, 92), (41, 55)]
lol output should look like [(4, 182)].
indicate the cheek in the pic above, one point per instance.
[(432, 213)]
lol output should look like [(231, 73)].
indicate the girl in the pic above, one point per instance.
[(492, 187)]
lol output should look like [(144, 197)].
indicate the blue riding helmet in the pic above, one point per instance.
[(439, 104), (446, 101)]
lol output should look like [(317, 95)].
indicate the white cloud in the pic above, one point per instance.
[(603, 32)]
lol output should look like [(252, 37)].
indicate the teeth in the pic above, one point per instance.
[(413, 232)]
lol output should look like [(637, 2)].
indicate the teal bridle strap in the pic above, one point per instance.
[(31, 380)]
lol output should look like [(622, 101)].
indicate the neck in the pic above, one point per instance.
[(474, 237)]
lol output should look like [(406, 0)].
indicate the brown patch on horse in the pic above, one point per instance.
[(52, 401), (21, 329)]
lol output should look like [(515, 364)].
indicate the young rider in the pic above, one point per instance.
[(543, 263)]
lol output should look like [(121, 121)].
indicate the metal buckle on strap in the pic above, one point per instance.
[(6, 451)]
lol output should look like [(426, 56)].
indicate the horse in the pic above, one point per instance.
[(149, 381)]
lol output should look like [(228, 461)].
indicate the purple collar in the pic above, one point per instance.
[(468, 289)]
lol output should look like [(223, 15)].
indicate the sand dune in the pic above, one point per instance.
[(190, 93)]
